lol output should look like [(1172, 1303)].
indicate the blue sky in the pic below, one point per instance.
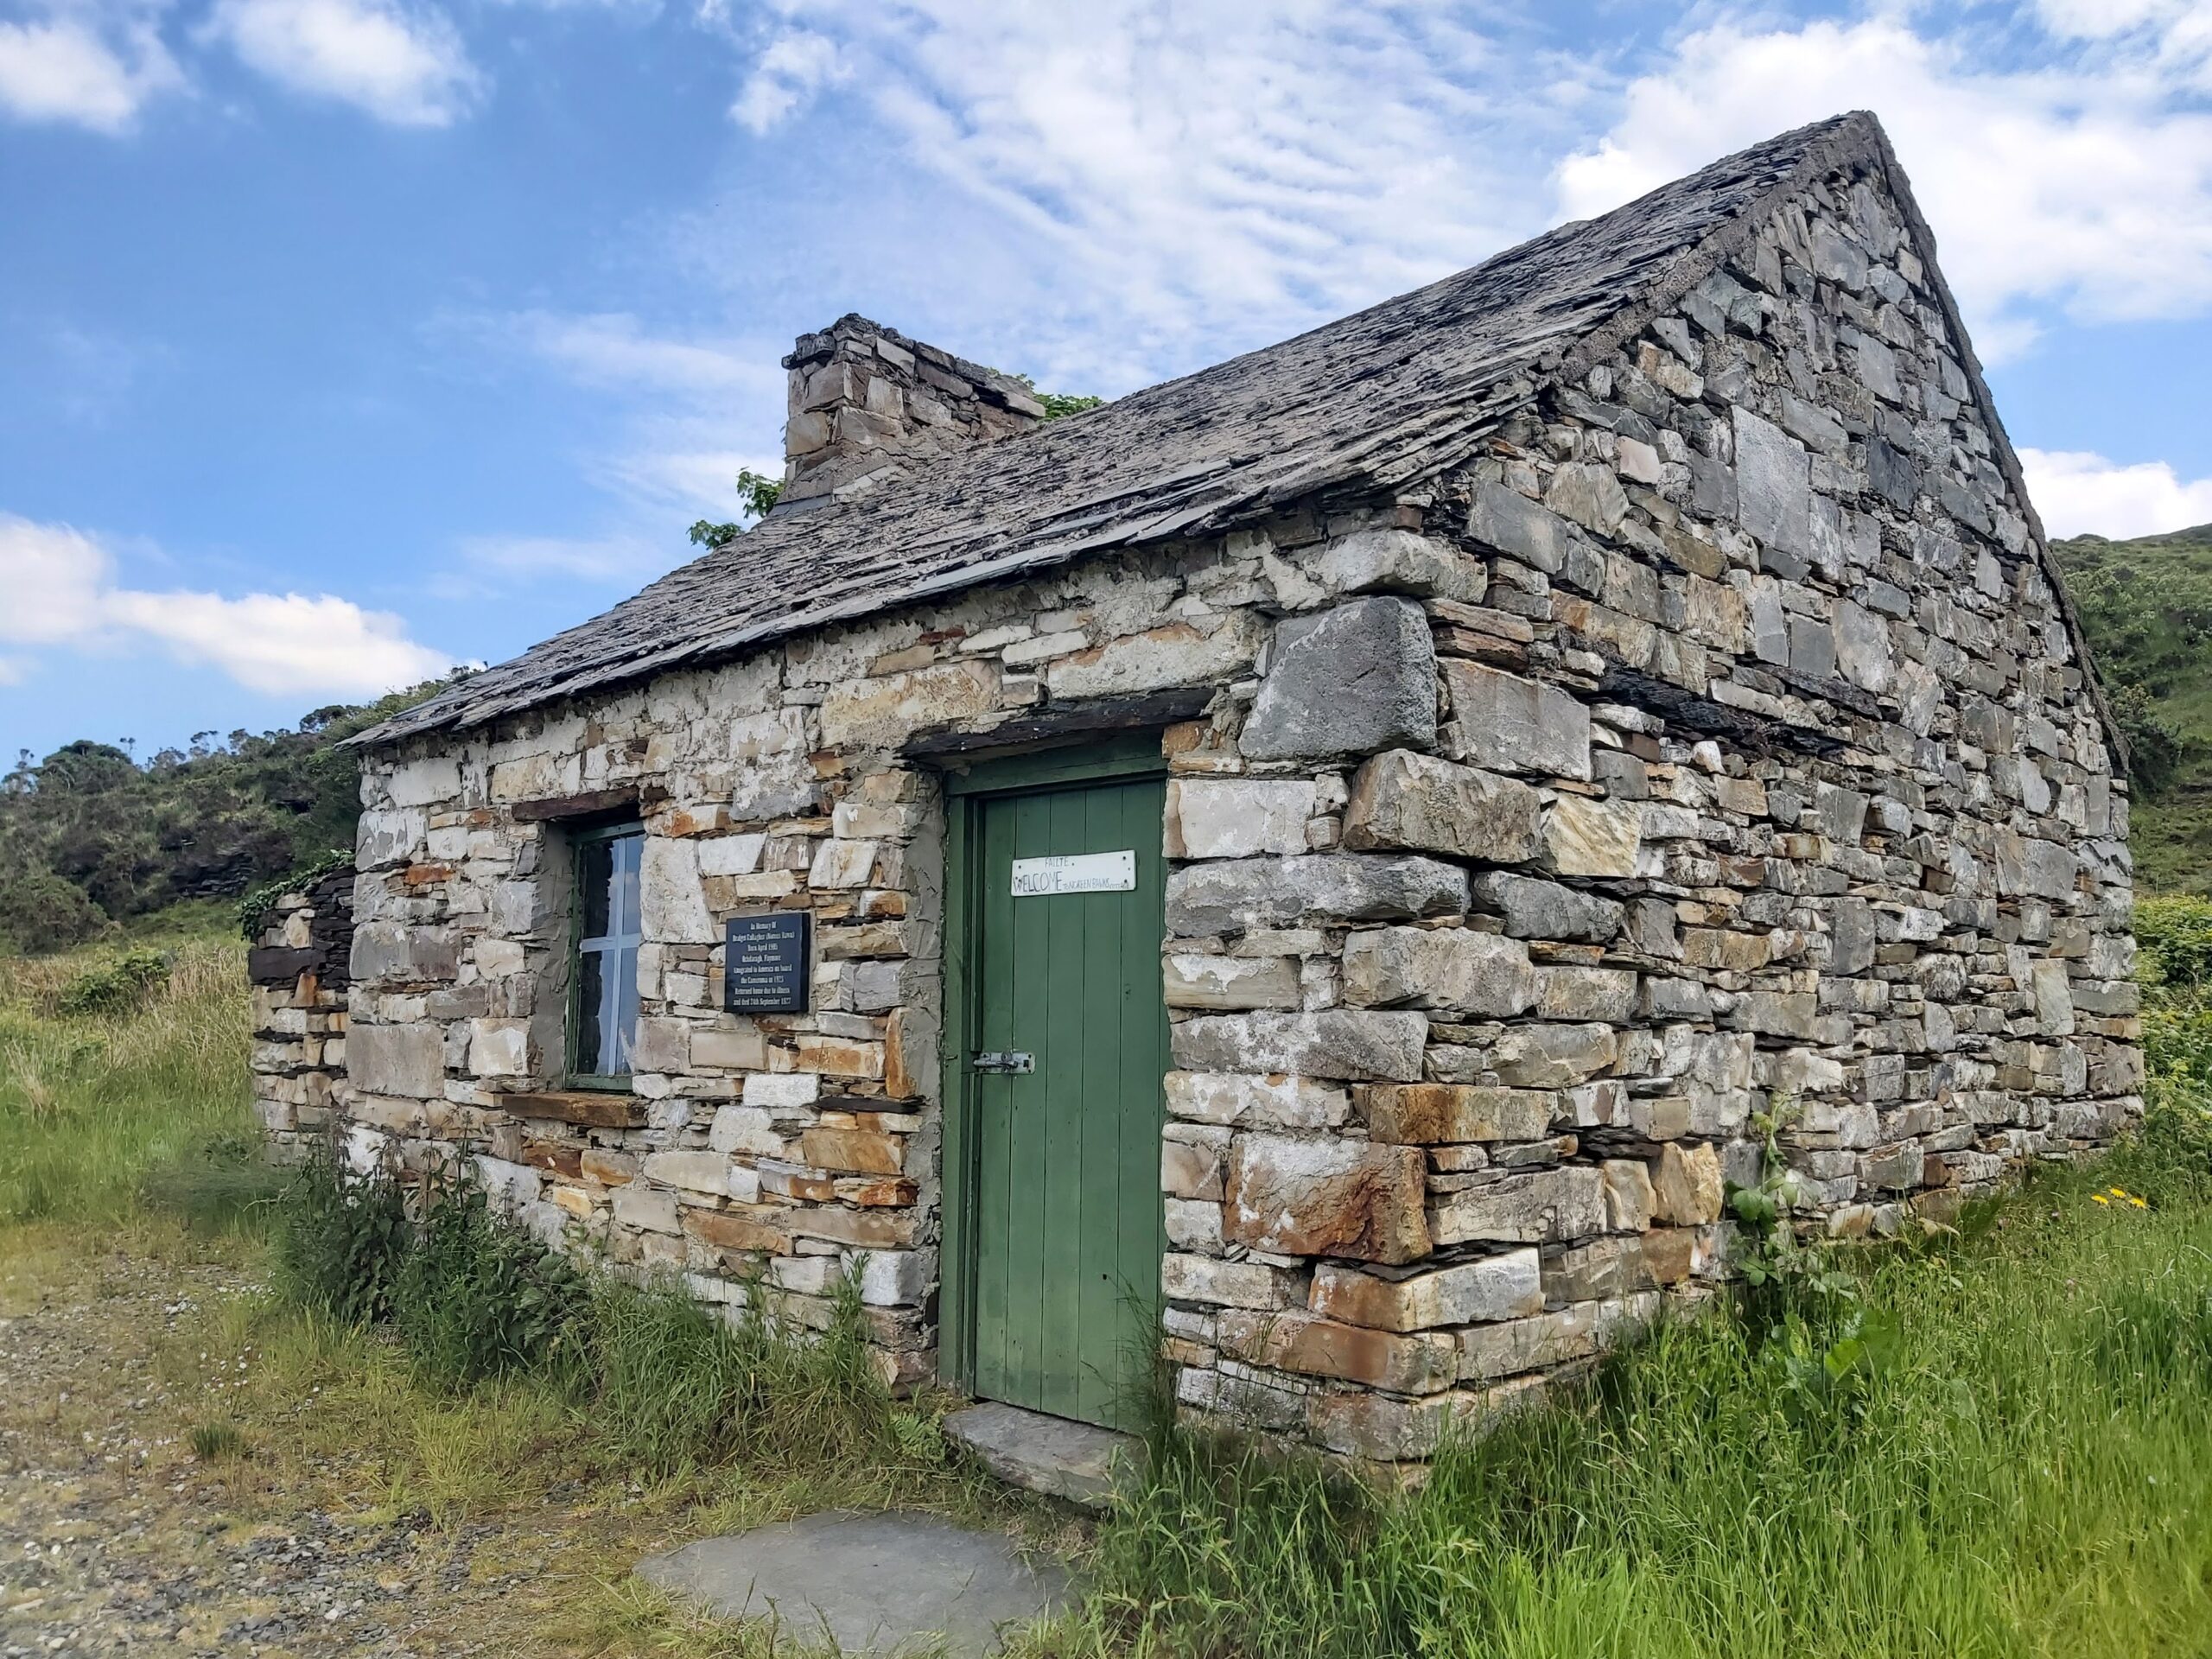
[(346, 338)]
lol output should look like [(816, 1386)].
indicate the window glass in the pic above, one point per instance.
[(606, 953)]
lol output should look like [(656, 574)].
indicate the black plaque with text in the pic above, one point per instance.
[(765, 962)]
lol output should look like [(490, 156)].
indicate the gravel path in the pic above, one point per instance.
[(115, 1539)]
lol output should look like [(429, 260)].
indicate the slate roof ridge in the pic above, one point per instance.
[(850, 559)]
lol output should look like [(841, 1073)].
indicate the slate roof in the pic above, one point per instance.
[(1383, 399)]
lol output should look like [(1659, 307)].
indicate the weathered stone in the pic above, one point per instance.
[(1524, 1209), (1629, 1198), (1547, 1339), (1508, 521), (671, 905), (883, 713), (1327, 1043), (1236, 895), (394, 953), (1586, 837), (1401, 800), (1177, 653), (1398, 562), (1223, 1284), (695, 1171), (1427, 1113), (1237, 817), (1688, 1187), (1279, 1103), (1512, 724), (1552, 1057), (1203, 981), (1590, 493), (1505, 1287), (1535, 909), (1773, 485), (402, 1060), (2054, 998), (1326, 1198), (1351, 680), (1863, 649), (1313, 1346), (1454, 970), (1577, 993)]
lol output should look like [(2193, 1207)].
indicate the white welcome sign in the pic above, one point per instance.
[(1037, 878)]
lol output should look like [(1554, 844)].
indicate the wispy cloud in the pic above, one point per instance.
[(83, 68), (2077, 491), (405, 65), (2085, 184), (1178, 180), (64, 595)]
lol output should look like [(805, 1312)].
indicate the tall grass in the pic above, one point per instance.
[(2033, 1474), (93, 1104)]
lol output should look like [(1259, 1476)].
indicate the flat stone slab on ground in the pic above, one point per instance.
[(883, 1583), (1053, 1455)]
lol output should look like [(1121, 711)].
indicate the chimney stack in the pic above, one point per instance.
[(867, 403)]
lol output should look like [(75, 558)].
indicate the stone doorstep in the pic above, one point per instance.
[(892, 1584), (1055, 1456)]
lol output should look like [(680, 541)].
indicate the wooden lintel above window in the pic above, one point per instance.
[(590, 804), (592, 1108)]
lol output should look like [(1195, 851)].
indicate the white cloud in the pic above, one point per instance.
[(2086, 185), (612, 349), (402, 64), (2079, 493), (1164, 184), (64, 69), (787, 74), (63, 593)]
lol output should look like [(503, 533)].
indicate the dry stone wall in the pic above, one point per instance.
[(1712, 748), (297, 968)]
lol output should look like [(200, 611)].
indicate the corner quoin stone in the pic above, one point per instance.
[(1349, 680), (1326, 1197), (1403, 799), (1517, 724)]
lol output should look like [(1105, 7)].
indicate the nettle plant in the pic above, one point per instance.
[(1819, 1341)]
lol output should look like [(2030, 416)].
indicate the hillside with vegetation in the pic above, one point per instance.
[(2146, 605), (95, 842)]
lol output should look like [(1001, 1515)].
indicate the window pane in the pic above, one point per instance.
[(622, 895), (591, 989), (623, 965), (595, 862)]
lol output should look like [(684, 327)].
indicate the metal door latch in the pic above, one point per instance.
[(1005, 1060)]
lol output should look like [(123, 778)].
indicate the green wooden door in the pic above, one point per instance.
[(1063, 1210)]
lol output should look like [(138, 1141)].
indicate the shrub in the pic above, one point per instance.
[(2174, 934), (41, 912), (341, 1235), (476, 1295), (116, 986)]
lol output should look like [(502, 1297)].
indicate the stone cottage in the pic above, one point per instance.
[(1328, 864)]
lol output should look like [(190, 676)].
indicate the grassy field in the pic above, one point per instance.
[(1991, 1440)]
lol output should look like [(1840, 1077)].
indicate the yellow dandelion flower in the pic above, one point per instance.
[(2119, 1191), (2099, 1197), (2141, 1203)]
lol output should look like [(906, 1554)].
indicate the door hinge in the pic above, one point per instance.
[(1005, 1060)]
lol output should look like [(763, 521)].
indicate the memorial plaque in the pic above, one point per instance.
[(766, 962)]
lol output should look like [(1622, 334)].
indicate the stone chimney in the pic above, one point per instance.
[(866, 402)]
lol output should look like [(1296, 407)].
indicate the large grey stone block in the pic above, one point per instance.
[(1512, 724), (1511, 523), (1349, 680), (1417, 801), (1774, 481), (1485, 975), (1238, 894), (1399, 562), (1325, 1043), (1298, 1197), (406, 1060), (1534, 909)]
